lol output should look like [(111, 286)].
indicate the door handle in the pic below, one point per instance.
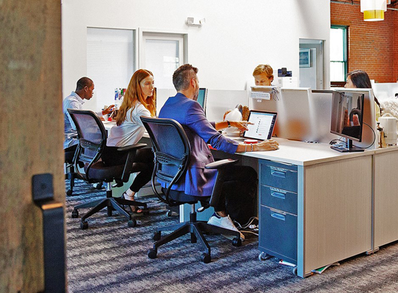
[(53, 233)]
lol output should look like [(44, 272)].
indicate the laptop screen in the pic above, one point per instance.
[(263, 125)]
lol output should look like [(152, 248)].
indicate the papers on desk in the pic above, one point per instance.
[(322, 269)]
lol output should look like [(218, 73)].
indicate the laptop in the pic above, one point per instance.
[(262, 127)]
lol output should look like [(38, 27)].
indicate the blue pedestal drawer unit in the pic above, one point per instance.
[(278, 210)]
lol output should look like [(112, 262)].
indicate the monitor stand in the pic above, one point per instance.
[(349, 147)]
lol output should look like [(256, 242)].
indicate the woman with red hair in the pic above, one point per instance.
[(139, 100)]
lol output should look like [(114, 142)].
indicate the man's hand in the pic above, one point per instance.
[(266, 145), (108, 110), (241, 125)]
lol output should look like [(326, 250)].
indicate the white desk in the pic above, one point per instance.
[(334, 196), (385, 207), (108, 124), (346, 202)]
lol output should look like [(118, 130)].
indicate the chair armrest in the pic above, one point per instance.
[(131, 147), (220, 164)]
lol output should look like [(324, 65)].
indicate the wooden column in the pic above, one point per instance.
[(31, 134)]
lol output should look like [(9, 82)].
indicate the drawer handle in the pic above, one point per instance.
[(279, 174), (278, 216), (278, 194)]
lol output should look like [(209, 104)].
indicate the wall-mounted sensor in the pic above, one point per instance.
[(194, 21)]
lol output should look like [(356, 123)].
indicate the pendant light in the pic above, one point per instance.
[(373, 10)]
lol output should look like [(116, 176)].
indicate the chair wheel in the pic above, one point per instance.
[(156, 236), (132, 223), (69, 192), (205, 257), (295, 271), (75, 214), (83, 225), (109, 211), (264, 256), (170, 213), (236, 242), (97, 185), (152, 253)]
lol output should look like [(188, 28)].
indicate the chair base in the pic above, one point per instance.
[(197, 229), (111, 203)]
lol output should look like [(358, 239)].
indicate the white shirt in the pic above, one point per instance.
[(73, 101), (131, 130)]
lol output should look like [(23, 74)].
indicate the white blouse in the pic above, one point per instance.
[(131, 130)]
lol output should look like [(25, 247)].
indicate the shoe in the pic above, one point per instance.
[(133, 209), (224, 222)]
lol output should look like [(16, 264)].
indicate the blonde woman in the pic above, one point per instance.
[(139, 100)]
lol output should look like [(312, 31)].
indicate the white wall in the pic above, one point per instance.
[(236, 36)]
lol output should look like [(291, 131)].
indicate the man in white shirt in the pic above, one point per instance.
[(84, 91)]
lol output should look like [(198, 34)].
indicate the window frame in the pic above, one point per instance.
[(344, 28), (180, 37)]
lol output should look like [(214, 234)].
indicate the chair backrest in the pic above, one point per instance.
[(171, 150), (92, 137)]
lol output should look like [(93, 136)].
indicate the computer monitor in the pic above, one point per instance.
[(347, 118), (202, 98)]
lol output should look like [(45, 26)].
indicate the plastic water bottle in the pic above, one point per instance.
[(116, 99)]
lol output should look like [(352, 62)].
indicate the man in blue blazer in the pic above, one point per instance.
[(184, 109)]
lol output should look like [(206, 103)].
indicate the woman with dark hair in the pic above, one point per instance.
[(360, 79), (139, 100)]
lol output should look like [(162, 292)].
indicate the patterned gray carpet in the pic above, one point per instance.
[(111, 257)]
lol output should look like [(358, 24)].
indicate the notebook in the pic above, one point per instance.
[(263, 125)]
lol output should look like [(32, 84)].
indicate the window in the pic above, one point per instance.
[(338, 53), (162, 54), (110, 61)]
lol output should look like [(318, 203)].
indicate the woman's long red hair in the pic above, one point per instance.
[(134, 93)]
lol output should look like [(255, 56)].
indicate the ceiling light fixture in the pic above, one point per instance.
[(373, 10)]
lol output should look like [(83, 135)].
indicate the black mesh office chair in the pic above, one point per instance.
[(90, 166), (171, 149)]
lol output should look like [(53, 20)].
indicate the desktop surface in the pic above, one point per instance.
[(298, 152)]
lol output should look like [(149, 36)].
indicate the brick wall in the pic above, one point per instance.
[(372, 45)]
